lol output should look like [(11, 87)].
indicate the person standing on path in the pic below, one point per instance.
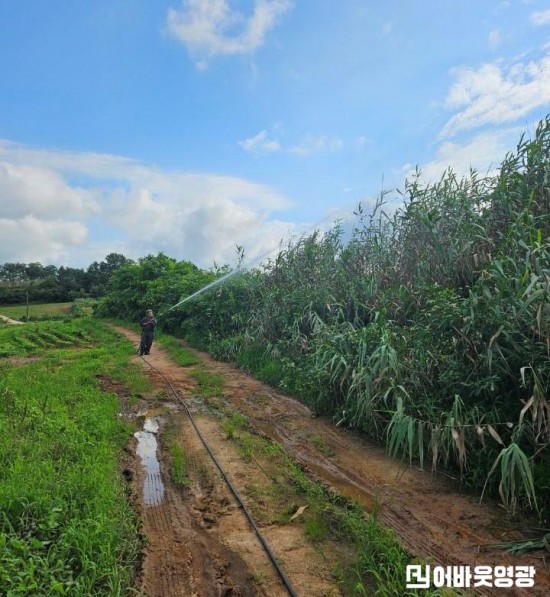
[(148, 325)]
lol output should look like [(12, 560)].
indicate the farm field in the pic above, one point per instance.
[(72, 491), (66, 527), (36, 311)]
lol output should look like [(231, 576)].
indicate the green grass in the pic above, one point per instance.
[(66, 527), (181, 355), (319, 442), (235, 421), (208, 384), (316, 528), (37, 338), (179, 466), (36, 311), (179, 462)]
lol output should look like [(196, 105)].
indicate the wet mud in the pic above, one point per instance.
[(197, 541)]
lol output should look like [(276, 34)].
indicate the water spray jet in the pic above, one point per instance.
[(256, 261)]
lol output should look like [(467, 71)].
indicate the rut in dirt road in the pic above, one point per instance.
[(182, 558), (431, 516), (197, 539), (184, 554)]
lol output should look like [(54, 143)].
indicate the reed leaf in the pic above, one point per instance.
[(516, 478)]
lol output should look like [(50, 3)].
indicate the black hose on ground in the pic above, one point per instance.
[(261, 538)]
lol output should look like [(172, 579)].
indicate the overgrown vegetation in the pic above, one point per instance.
[(66, 527), (427, 329)]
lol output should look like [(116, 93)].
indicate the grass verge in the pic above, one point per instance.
[(179, 353)]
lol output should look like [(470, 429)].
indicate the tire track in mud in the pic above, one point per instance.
[(197, 539), (311, 570), (432, 517), (221, 554), (184, 555)]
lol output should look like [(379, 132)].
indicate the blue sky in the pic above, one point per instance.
[(140, 126)]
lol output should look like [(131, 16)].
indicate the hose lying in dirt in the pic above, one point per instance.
[(234, 491)]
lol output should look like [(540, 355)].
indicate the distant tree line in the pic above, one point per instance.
[(49, 284)]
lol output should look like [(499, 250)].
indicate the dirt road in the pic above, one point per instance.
[(430, 515)]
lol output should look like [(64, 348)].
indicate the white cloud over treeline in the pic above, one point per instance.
[(74, 208)]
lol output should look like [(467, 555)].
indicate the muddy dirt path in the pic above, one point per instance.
[(198, 542), (430, 515), (186, 554)]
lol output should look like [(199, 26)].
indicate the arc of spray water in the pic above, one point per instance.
[(207, 287), (217, 282), (237, 270)]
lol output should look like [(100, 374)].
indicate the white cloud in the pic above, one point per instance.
[(211, 27), (137, 209), (260, 143), (484, 153), (494, 94), (309, 145), (361, 142), (540, 18), (30, 239), (42, 192)]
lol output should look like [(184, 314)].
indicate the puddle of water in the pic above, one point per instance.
[(153, 487)]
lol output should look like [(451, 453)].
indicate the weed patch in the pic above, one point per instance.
[(181, 355), (179, 463), (208, 384)]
